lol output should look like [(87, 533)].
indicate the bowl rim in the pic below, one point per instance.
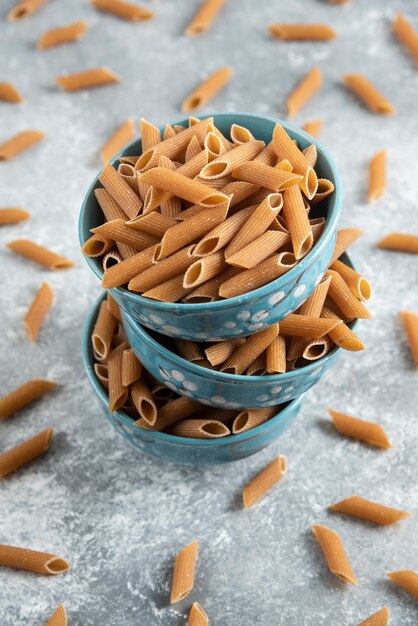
[(87, 354), (276, 284)]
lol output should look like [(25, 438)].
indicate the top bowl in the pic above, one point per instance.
[(252, 311)]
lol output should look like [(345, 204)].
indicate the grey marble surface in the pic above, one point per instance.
[(120, 517)]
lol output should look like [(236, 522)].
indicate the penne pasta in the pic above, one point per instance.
[(302, 32), (59, 617), (304, 326), (118, 394), (153, 223), (102, 373), (23, 9), (32, 560), (344, 298), (377, 176), (39, 254), (18, 143), (113, 307), (218, 353), (222, 234), (170, 413), (369, 511), (207, 90), (410, 322), (264, 481), (345, 238), (200, 429), (406, 34), (25, 452), (184, 572), (38, 310), (143, 401), (316, 349), (304, 91), (150, 135), (194, 149), (265, 176), (87, 79), (159, 272), (109, 206), (380, 618), (311, 154), (171, 206), (204, 269), (27, 393), (120, 191), (250, 418), (64, 34), (342, 335), (334, 553), (183, 187), (125, 10), (103, 331), (126, 270), (171, 290), (97, 245), (9, 93), (240, 134), (161, 393), (325, 189), (263, 273), (285, 148), (359, 285), (407, 579), (276, 356), (401, 242), (204, 17), (226, 162), (258, 250), (369, 95), (367, 432), (13, 216), (209, 291), (258, 366), (189, 350), (123, 135), (313, 128), (111, 259), (245, 354), (119, 231), (197, 616), (297, 222)]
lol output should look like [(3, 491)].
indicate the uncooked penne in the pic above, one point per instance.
[(123, 135), (380, 618), (204, 269), (400, 242), (250, 418), (24, 9), (285, 148), (118, 394), (265, 176), (228, 161), (342, 335), (304, 91), (220, 352), (124, 10), (170, 413), (59, 617), (120, 191), (334, 553), (193, 149), (39, 254), (109, 206), (120, 232), (222, 234), (304, 326), (344, 298), (406, 34), (258, 366), (189, 350), (153, 223), (410, 322), (102, 373), (209, 291), (25, 452), (264, 481), (9, 93), (197, 616), (297, 222), (171, 290), (159, 272), (370, 511), (38, 310), (32, 560), (143, 401), (150, 135), (377, 176), (368, 432), (313, 128), (316, 349), (276, 356), (207, 90), (127, 269), (359, 285), (64, 34), (259, 249), (263, 273), (13, 216), (18, 143), (131, 368), (111, 258), (204, 17), (27, 393), (407, 579), (184, 572), (302, 32), (240, 134), (87, 79), (366, 92), (345, 238), (200, 429), (245, 354), (183, 187), (103, 331), (325, 189), (311, 154), (97, 245)]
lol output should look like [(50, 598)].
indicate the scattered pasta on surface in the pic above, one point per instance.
[(25, 452), (377, 176), (400, 242), (39, 254), (13, 215), (313, 128), (410, 322), (261, 484), (184, 572), (380, 618), (368, 93), (407, 579), (27, 393), (369, 511), (123, 135), (9, 93), (19, 143), (62, 35), (368, 432), (207, 90), (304, 91), (38, 310), (87, 79), (334, 553), (32, 560), (197, 616), (125, 10), (302, 32), (24, 9), (59, 617), (204, 17), (406, 34)]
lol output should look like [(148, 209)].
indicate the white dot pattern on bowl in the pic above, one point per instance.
[(230, 324), (171, 330), (256, 326), (244, 315), (276, 389), (316, 371), (286, 397), (239, 331), (263, 398), (218, 399), (290, 388), (277, 297), (186, 393), (232, 405), (171, 386), (261, 315), (155, 319), (318, 280), (177, 375), (189, 385), (299, 291)]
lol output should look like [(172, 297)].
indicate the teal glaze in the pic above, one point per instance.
[(222, 390), (250, 312), (179, 449)]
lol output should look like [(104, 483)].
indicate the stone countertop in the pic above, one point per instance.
[(120, 517)]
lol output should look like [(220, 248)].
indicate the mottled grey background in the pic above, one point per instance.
[(120, 517)]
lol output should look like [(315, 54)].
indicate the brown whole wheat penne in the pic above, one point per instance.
[(369, 432), (204, 269), (59, 617), (143, 401), (9, 93), (207, 89), (303, 326), (63, 34), (120, 191), (119, 231), (189, 350), (25, 452), (260, 275), (131, 368), (38, 310), (369, 511), (285, 148), (27, 393), (111, 259), (304, 91), (18, 143), (345, 238), (240, 134), (119, 337), (258, 366), (113, 307), (161, 393), (97, 245), (250, 418), (344, 298), (407, 579), (313, 127), (226, 162), (32, 560), (276, 356), (245, 354), (222, 234), (259, 249), (125, 10), (380, 618), (24, 9), (297, 222), (401, 242), (109, 206), (410, 322), (317, 226), (193, 149), (204, 17), (265, 176), (368, 93), (406, 34), (171, 290), (264, 481), (184, 571), (377, 176), (127, 269), (169, 131), (39, 254), (183, 187), (103, 331), (152, 223), (317, 348), (123, 135), (159, 272), (118, 394), (102, 373), (150, 135), (218, 353), (311, 154), (334, 553), (325, 189), (209, 291), (200, 429), (302, 32), (197, 616), (342, 335), (359, 285), (131, 160), (170, 413), (13, 216), (87, 79), (214, 129)]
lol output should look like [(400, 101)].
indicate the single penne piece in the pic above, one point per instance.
[(213, 129), (127, 269), (87, 79), (13, 216), (222, 234), (304, 91), (171, 290), (97, 245), (18, 143), (25, 452), (250, 418), (130, 160), (119, 231), (256, 224), (240, 191), (153, 223), (345, 238), (317, 348), (297, 222), (258, 250), (265, 176), (103, 331), (143, 401), (302, 32), (380, 618), (407, 579), (276, 356), (9, 93), (113, 307), (369, 432), (150, 135), (258, 366), (161, 393), (359, 285), (313, 128), (32, 560), (171, 206), (334, 553), (342, 335), (27, 393), (197, 616), (264, 481), (123, 135), (406, 34), (168, 132), (267, 156), (38, 311), (183, 187), (125, 10), (400, 242), (220, 352), (64, 34), (303, 326), (120, 191), (344, 298), (207, 89), (200, 429), (245, 354), (325, 189), (228, 161), (370, 511), (204, 17), (161, 271), (240, 134), (59, 617), (170, 413), (193, 149), (24, 8), (410, 322), (189, 350), (184, 572), (129, 175), (39, 254), (285, 148), (102, 373), (311, 154), (317, 225), (131, 368), (263, 273), (204, 269), (369, 95), (377, 176), (209, 291), (118, 394), (109, 206)]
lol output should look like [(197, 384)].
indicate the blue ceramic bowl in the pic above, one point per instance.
[(218, 389), (249, 312), (180, 449)]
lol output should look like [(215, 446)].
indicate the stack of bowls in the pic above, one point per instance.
[(144, 320)]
